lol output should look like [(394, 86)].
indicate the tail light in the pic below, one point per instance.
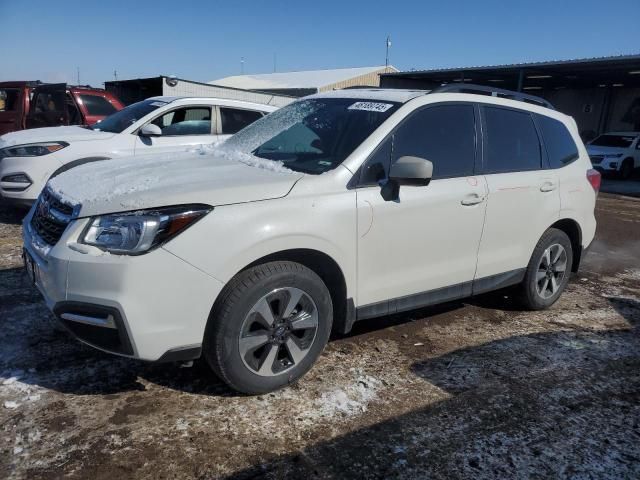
[(595, 179)]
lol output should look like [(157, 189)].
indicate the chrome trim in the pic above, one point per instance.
[(94, 321)]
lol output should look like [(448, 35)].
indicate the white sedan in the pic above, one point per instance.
[(28, 158)]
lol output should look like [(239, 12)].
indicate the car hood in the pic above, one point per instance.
[(596, 150), (152, 181), (51, 134)]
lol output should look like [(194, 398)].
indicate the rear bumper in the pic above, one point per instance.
[(153, 307)]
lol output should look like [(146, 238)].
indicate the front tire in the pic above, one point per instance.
[(269, 326), (548, 271), (626, 169)]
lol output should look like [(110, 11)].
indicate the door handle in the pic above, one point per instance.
[(548, 187), (472, 199)]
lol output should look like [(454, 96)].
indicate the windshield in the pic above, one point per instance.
[(126, 117), (620, 141), (312, 136)]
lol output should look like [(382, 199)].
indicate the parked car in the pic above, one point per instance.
[(340, 207), (34, 104), (159, 124), (615, 153)]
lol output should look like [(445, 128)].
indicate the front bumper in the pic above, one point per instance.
[(153, 306), (36, 172)]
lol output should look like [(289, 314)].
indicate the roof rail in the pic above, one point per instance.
[(494, 92)]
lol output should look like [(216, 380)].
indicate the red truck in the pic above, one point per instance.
[(34, 104)]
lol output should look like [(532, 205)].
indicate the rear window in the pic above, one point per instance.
[(561, 149), (619, 141), (512, 143), (233, 119), (97, 105), (9, 99)]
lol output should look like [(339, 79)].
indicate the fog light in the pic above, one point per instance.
[(613, 165), (17, 178)]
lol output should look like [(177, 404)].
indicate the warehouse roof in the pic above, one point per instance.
[(589, 72), (303, 79)]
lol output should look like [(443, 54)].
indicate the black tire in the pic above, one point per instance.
[(626, 169), (221, 346), (530, 295)]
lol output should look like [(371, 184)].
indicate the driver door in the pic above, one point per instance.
[(48, 106), (181, 128), (421, 247)]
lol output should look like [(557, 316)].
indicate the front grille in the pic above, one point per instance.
[(596, 159), (50, 218)]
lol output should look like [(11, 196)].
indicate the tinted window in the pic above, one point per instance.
[(8, 99), (561, 149), (620, 141), (96, 105), (511, 141), (443, 134), (234, 120), (185, 121), (377, 167)]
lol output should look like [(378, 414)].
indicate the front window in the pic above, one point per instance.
[(126, 117), (312, 136), (619, 141)]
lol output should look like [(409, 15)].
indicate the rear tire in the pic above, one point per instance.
[(269, 326), (548, 271)]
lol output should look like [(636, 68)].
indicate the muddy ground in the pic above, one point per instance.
[(475, 389)]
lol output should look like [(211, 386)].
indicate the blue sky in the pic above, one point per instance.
[(204, 40)]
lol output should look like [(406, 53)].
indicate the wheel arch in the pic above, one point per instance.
[(327, 268), (77, 163), (574, 232)]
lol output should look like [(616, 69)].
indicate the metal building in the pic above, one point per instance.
[(131, 91), (602, 94), (300, 84)]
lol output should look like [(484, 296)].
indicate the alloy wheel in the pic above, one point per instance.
[(278, 332), (551, 270)]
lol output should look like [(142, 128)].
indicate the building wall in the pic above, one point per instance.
[(194, 89), (369, 80)]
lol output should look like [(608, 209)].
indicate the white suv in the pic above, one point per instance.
[(337, 208), (28, 158), (616, 152)]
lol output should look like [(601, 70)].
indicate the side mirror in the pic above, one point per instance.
[(411, 171), (150, 130)]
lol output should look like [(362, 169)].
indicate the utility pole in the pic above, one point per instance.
[(78, 69), (274, 63), (115, 75), (241, 65), (386, 61)]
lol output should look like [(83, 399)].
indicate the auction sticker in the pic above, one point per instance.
[(371, 106)]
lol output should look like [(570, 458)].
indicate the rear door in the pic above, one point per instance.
[(48, 106), (12, 104), (524, 196), (232, 120), (182, 127)]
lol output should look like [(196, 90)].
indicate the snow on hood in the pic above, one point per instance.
[(208, 175), (51, 134)]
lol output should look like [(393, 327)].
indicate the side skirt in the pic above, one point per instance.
[(440, 295)]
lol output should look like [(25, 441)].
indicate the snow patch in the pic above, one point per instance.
[(10, 404), (351, 399)]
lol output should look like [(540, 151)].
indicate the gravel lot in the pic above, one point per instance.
[(474, 389)]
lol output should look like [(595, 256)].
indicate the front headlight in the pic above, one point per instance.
[(33, 149), (133, 233)]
